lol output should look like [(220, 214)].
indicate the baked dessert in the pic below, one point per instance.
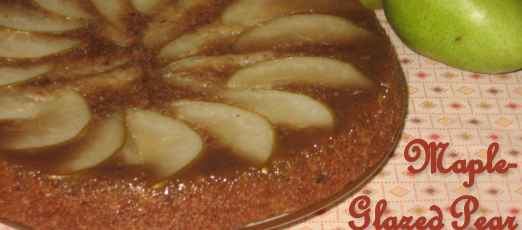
[(188, 114)]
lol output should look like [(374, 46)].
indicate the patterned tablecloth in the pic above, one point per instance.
[(468, 110)]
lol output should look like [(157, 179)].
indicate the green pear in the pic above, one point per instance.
[(476, 35)]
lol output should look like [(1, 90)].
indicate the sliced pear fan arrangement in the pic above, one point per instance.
[(21, 38), (194, 43), (243, 121), (241, 15), (300, 29)]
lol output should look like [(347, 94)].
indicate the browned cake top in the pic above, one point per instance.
[(188, 63)]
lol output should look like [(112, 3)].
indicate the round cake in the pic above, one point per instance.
[(188, 114)]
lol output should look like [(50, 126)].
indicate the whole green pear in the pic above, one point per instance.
[(482, 36)]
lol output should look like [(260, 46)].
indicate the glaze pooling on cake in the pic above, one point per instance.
[(197, 84)]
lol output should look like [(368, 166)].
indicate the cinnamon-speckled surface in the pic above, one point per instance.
[(218, 190)]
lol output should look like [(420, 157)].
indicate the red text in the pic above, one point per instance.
[(459, 166), (471, 205)]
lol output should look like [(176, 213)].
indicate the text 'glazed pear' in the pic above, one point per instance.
[(476, 35)]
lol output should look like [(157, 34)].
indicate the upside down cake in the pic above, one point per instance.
[(188, 114)]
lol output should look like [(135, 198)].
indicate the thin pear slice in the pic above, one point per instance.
[(95, 146), (248, 134), (11, 75), (147, 6), (280, 107), (249, 12), (114, 11), (219, 61), (129, 154), (29, 45), (186, 71), (60, 121), (29, 20), (170, 22), (15, 105), (202, 39), (84, 67), (163, 142), (114, 78), (115, 34), (191, 81), (69, 8), (300, 29), (163, 26), (299, 70)]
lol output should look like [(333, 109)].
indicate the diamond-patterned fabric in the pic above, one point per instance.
[(468, 110)]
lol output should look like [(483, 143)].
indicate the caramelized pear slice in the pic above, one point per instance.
[(129, 154), (163, 26), (69, 8), (60, 121), (300, 29), (15, 105), (249, 12), (95, 146), (219, 61), (115, 34), (114, 78), (147, 6), (163, 142), (29, 20), (248, 134), (190, 81), (297, 70), (11, 75), (114, 11), (84, 67), (202, 39), (29, 45), (280, 107), (183, 72), (170, 22)]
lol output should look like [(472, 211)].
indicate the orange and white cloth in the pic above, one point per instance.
[(468, 110)]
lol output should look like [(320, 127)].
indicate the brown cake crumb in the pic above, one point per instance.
[(218, 190)]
